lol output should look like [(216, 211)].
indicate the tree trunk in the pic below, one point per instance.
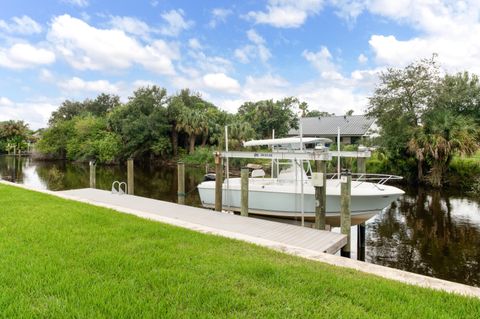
[(436, 174), (204, 139), (174, 141), (420, 170), (191, 148)]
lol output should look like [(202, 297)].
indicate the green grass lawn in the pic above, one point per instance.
[(64, 259)]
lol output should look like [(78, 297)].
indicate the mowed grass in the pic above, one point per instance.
[(63, 259)]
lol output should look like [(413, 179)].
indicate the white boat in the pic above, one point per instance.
[(282, 196)]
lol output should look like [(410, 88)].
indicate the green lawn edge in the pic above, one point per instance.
[(65, 259)]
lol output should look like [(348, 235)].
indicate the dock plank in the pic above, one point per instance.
[(281, 233)]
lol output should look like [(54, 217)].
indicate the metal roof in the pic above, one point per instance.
[(287, 140), (354, 125)]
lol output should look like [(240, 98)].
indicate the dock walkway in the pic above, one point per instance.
[(249, 229)]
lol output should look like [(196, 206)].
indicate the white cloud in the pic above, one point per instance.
[(244, 53), (46, 76), (5, 102), (24, 55), (77, 84), (89, 48), (21, 25), (221, 82), (194, 43), (35, 112), (80, 3), (362, 58), (130, 25), (286, 13), (175, 23), (219, 15), (322, 61), (210, 64), (250, 52), (447, 27)]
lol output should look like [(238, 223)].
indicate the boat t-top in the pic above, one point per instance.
[(289, 191)]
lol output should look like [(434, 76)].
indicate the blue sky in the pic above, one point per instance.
[(326, 52)]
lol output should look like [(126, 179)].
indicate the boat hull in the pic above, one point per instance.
[(268, 197)]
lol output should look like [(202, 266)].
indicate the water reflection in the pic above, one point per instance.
[(428, 232), (157, 182)]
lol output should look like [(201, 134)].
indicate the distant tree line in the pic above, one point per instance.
[(15, 136), (154, 125)]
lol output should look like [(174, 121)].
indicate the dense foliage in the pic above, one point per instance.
[(153, 125), (15, 136), (426, 119)]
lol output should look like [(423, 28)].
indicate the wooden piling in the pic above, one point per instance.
[(93, 174), (218, 182), (345, 209), (320, 195), (244, 192), (361, 165), (130, 177), (181, 183)]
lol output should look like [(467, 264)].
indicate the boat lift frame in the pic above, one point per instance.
[(318, 154)]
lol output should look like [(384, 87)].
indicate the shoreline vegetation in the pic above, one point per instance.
[(69, 259), (429, 127)]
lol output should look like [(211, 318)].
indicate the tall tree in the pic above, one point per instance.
[(14, 134), (267, 115), (460, 93), (399, 102), (142, 121)]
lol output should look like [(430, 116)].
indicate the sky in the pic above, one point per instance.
[(328, 53)]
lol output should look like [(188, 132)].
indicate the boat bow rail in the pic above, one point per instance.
[(376, 179)]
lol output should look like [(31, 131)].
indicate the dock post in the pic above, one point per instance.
[(345, 210), (244, 192), (218, 182), (93, 174), (181, 183), (14, 150), (320, 194), (361, 165), (361, 241), (130, 177)]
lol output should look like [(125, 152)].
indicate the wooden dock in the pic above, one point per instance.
[(229, 225)]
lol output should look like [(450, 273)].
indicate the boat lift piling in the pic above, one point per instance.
[(181, 183), (345, 209), (319, 180), (93, 175), (130, 177), (218, 182), (244, 192)]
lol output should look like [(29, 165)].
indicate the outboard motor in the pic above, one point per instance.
[(209, 177)]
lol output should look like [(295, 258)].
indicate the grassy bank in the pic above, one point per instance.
[(66, 259)]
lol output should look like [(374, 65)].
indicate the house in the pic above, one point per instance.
[(352, 128)]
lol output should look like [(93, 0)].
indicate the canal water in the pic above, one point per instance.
[(430, 232)]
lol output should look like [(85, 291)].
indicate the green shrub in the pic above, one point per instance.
[(463, 171), (201, 155)]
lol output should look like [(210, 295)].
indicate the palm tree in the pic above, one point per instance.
[(442, 136), (193, 123), (240, 131)]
